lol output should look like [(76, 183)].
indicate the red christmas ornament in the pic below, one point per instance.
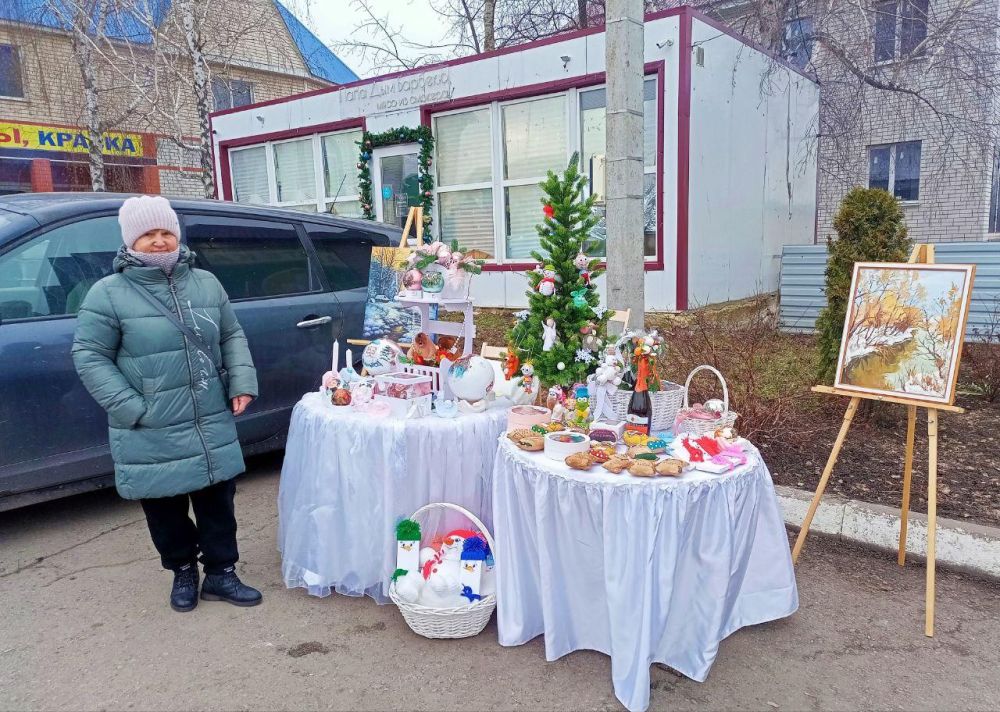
[(427, 193), (548, 210)]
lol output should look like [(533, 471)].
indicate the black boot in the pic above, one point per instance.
[(228, 587), (184, 594)]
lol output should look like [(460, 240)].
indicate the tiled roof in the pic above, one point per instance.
[(54, 13), (320, 59)]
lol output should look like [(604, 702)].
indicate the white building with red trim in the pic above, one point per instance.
[(729, 146)]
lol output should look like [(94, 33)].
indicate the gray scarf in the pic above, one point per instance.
[(164, 260)]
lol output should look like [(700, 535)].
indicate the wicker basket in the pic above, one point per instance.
[(666, 403), (458, 622), (697, 427)]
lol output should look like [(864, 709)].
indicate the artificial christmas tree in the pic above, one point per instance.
[(562, 289)]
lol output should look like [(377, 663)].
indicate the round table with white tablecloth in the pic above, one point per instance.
[(644, 570), (348, 478)]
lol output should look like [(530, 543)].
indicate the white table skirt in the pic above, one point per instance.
[(644, 570), (348, 478)]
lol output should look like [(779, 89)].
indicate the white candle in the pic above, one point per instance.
[(349, 363), (336, 355)]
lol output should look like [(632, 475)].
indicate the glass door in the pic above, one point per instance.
[(394, 182)]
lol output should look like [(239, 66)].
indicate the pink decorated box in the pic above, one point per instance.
[(400, 384)]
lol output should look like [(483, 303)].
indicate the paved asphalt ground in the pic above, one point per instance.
[(84, 625)]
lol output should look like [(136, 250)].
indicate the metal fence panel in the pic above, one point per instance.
[(802, 280)]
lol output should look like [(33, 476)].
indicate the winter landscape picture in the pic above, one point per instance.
[(904, 330), (384, 316)]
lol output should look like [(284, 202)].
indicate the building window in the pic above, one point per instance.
[(895, 167), (295, 173), (15, 176), (314, 173), (592, 153), (11, 76), (533, 142), (797, 44), (231, 93), (900, 29), (340, 173), (248, 168), (490, 160), (464, 163), (995, 195)]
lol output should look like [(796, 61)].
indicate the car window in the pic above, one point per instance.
[(51, 274), (253, 259), (344, 254)]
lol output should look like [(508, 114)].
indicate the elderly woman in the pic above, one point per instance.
[(158, 346)]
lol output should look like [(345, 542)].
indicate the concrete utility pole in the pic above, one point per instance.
[(624, 62)]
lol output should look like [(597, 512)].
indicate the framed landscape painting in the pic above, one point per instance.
[(904, 330), (386, 318)]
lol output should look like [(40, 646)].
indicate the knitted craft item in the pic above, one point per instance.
[(474, 549), (408, 530)]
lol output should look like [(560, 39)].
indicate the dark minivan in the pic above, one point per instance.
[(297, 282)]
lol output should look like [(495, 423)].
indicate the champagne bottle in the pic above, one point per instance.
[(639, 416)]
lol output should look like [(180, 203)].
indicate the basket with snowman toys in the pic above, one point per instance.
[(449, 592)]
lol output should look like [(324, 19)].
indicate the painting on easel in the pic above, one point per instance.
[(385, 317), (904, 330)]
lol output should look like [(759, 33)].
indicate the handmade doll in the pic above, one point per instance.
[(590, 340), (528, 377), (547, 284), (582, 262), (511, 363)]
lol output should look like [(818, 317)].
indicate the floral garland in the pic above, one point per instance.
[(425, 179)]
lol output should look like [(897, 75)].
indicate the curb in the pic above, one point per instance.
[(974, 548)]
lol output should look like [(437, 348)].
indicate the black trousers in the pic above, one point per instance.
[(179, 540)]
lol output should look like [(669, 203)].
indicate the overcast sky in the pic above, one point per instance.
[(335, 20)]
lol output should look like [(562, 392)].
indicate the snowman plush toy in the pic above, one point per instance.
[(438, 583), (547, 284)]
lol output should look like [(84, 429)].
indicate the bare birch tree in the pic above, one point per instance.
[(86, 22), (169, 72)]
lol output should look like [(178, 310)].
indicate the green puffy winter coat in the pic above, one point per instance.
[(171, 429)]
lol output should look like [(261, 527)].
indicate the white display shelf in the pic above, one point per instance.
[(447, 303), (465, 329)]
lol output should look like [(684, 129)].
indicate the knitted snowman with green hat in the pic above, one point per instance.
[(547, 284)]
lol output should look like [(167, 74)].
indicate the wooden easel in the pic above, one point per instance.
[(416, 214), (922, 254)]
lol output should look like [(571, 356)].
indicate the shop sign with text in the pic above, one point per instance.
[(35, 137)]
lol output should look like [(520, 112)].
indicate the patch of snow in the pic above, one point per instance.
[(867, 341)]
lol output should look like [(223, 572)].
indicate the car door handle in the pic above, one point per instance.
[(319, 321)]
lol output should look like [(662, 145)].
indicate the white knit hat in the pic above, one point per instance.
[(143, 213)]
